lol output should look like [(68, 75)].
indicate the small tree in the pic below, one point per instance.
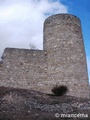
[(59, 90), (32, 46)]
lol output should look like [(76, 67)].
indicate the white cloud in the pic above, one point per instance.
[(21, 21)]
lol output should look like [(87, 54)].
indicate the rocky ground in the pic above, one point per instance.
[(20, 104)]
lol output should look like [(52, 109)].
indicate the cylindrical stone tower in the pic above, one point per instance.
[(66, 58)]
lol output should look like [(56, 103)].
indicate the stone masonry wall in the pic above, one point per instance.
[(22, 68), (62, 62), (66, 58)]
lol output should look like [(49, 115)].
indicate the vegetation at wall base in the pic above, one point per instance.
[(59, 90)]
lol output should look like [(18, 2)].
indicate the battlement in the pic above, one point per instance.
[(62, 62)]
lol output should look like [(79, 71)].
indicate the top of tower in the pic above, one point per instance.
[(58, 18)]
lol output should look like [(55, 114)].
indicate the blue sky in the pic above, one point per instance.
[(21, 21)]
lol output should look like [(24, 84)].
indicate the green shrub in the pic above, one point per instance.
[(59, 90)]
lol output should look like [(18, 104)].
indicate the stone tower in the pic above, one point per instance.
[(66, 58), (62, 62)]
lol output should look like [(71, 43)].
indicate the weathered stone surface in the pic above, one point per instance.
[(62, 62), (23, 68)]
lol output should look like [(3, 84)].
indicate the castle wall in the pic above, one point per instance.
[(66, 58), (62, 62), (22, 68)]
